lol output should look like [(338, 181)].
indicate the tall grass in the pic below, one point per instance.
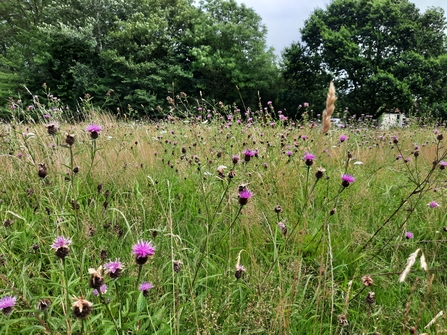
[(288, 260)]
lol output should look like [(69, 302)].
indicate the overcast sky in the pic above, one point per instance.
[(284, 18)]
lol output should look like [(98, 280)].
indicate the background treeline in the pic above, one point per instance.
[(131, 55)]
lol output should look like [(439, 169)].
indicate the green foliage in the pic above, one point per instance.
[(382, 55), (133, 54)]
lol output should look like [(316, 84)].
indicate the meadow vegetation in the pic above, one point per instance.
[(222, 222)]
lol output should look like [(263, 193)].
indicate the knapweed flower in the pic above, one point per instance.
[(346, 180), (94, 130), (248, 154), (52, 128), (283, 228), (367, 280), (320, 173), (289, 153), (70, 139), (81, 307), (97, 279), (43, 305), (61, 244), (244, 195), (309, 159), (102, 290), (177, 265), (433, 204), (145, 287), (143, 250), (240, 269), (7, 304), (442, 165), (409, 235), (114, 269), (343, 138), (235, 159)]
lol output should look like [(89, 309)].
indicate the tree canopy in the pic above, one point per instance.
[(134, 53), (382, 55)]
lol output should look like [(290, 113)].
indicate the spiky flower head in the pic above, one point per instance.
[(43, 305), (60, 244), (145, 287), (433, 204), (81, 307), (409, 235), (346, 180), (244, 195), (7, 304), (143, 250), (320, 173), (177, 265), (70, 139), (442, 165), (240, 269), (343, 138), (367, 280), (96, 279), (114, 269), (309, 159), (248, 154), (94, 130), (52, 128)]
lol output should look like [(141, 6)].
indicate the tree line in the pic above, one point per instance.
[(133, 54)]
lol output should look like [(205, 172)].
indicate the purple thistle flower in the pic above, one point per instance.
[(7, 304), (309, 158), (343, 138), (102, 288), (248, 154), (433, 204), (145, 287), (442, 165), (346, 180), (114, 268), (244, 195), (289, 153), (94, 130), (61, 242), (143, 250), (409, 235)]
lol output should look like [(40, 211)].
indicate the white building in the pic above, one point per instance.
[(391, 120)]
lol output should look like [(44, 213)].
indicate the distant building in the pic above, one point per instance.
[(391, 120), (336, 122)]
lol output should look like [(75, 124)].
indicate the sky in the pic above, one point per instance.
[(284, 18)]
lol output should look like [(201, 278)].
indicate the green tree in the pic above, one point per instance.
[(229, 51), (382, 54)]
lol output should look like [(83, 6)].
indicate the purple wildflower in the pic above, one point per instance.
[(143, 250), (433, 204), (248, 154), (102, 289), (7, 304), (61, 242), (346, 180), (145, 287), (442, 165), (244, 195), (409, 235), (94, 130), (114, 268), (289, 153), (309, 158), (343, 138)]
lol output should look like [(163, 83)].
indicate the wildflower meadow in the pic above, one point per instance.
[(224, 220)]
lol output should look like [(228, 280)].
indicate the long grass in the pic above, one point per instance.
[(222, 266)]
